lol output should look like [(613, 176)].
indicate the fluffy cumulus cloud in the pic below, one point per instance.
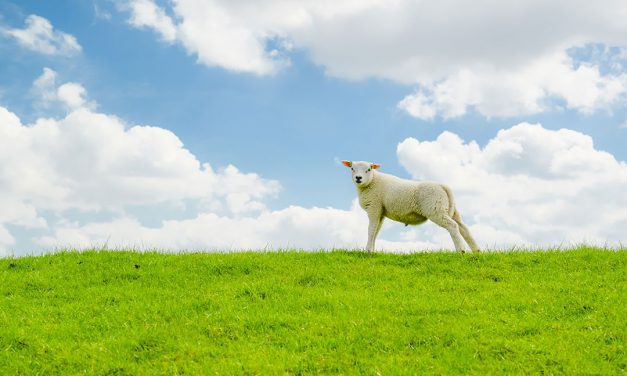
[(145, 13), (70, 95), (40, 36), (528, 90), (309, 228), (528, 185), (93, 161), (88, 161), (6, 239), (215, 34), (498, 58)]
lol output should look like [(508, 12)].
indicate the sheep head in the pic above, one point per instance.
[(362, 172)]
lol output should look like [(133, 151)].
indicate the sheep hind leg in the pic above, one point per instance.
[(463, 230), (452, 227)]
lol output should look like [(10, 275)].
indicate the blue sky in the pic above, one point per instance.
[(476, 98)]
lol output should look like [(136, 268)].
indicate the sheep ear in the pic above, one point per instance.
[(375, 166), (347, 163)]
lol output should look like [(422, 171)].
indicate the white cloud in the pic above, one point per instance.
[(45, 87), (220, 37), (293, 226), (6, 240), (41, 37), (240, 36), (70, 95), (90, 160), (527, 91), (500, 58), (145, 13), (528, 185), (14, 210), (419, 105)]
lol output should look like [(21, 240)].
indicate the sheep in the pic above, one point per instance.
[(409, 202)]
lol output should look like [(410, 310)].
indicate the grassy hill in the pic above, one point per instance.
[(116, 313)]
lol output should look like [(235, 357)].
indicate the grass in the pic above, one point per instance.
[(118, 313)]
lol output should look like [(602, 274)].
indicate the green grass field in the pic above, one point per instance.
[(116, 313)]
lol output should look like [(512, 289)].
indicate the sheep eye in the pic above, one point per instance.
[(368, 170)]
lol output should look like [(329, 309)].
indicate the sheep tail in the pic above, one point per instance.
[(451, 200)]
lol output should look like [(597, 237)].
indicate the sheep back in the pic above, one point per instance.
[(406, 201)]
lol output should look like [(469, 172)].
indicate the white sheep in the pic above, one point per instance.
[(409, 202)]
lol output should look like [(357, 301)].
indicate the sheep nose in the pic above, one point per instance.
[(358, 179)]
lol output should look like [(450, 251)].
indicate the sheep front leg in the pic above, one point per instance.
[(376, 220)]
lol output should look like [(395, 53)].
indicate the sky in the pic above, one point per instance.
[(214, 125)]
